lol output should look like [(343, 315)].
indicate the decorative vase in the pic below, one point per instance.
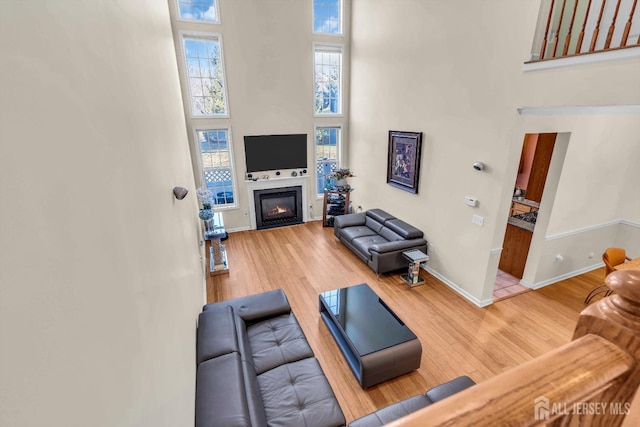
[(341, 183), (205, 214)]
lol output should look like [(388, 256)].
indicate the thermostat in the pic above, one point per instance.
[(471, 201)]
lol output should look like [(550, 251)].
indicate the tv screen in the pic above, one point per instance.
[(273, 152)]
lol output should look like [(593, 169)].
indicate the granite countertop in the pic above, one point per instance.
[(526, 221)]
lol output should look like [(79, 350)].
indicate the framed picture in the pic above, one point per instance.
[(403, 165)]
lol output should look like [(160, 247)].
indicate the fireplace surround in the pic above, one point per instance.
[(286, 182), (278, 207)]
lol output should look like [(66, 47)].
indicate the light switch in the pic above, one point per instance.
[(477, 220)]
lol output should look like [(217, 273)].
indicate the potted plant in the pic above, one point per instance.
[(341, 176)]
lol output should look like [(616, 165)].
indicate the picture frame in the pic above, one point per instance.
[(403, 163)]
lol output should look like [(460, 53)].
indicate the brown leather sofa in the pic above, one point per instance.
[(378, 238), (255, 367)]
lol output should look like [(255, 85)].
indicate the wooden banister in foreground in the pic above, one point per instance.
[(590, 381)]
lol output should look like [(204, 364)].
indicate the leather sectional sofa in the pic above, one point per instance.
[(255, 367), (405, 407), (378, 238)]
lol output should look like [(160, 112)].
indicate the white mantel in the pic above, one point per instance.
[(284, 182)]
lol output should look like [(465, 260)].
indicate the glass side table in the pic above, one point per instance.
[(214, 233), (416, 260)]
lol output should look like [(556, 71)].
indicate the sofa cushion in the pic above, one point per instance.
[(298, 394), (363, 243), (277, 341), (374, 225), (390, 235), (221, 399), (403, 229), (379, 215), (350, 220), (392, 412), (354, 232), (256, 307), (216, 334)]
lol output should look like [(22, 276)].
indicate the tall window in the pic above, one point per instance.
[(205, 75), (199, 10), (327, 16), (217, 165), (327, 72), (327, 148)]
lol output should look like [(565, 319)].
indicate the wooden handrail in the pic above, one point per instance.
[(559, 17), (510, 398), (589, 381)]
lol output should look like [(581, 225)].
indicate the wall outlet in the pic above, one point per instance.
[(477, 220), (246, 213)]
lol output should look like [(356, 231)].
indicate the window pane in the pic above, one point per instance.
[(198, 10), (327, 17), (327, 79), (206, 83), (217, 165), (327, 146)]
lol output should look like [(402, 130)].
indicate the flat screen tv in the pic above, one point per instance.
[(274, 152)]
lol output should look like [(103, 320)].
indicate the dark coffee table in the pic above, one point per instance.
[(376, 344)]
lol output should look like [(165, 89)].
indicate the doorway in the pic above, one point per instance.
[(535, 159)]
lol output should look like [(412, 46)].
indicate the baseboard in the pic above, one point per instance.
[(561, 277), (458, 289), (233, 230)]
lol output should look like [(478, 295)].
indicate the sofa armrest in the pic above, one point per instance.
[(258, 306), (398, 410), (449, 388), (349, 220), (396, 245)]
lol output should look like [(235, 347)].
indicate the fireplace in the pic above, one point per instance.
[(277, 207)]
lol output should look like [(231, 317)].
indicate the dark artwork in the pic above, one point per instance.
[(404, 160)]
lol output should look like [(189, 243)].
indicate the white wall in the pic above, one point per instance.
[(454, 71), (100, 271), (268, 54), (595, 198)]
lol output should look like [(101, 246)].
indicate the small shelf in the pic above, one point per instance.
[(336, 202)]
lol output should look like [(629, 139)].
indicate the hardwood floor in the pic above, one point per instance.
[(458, 338)]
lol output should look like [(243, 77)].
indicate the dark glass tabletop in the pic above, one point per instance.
[(366, 320)]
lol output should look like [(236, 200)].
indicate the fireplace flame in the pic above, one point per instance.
[(279, 210)]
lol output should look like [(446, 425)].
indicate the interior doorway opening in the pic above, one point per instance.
[(535, 159)]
